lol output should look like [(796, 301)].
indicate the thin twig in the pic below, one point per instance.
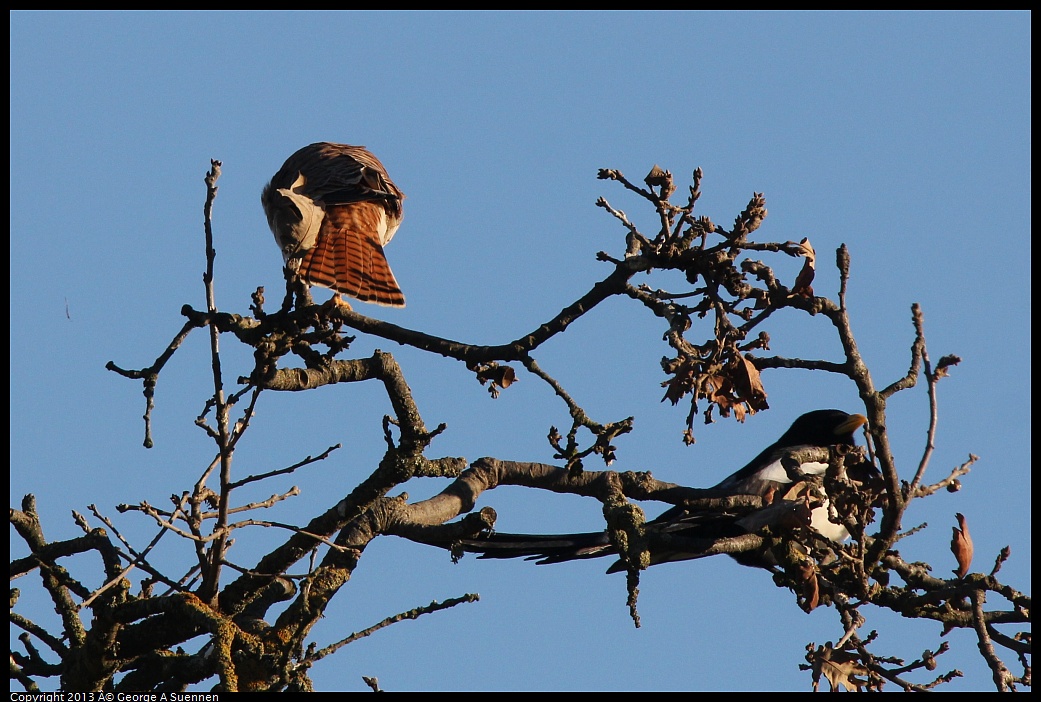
[(411, 614), (283, 471)]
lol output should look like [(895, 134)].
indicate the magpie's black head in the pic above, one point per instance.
[(826, 427)]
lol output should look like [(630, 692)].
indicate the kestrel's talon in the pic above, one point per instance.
[(337, 301), (332, 209)]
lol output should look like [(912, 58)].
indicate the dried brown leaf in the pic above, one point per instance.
[(498, 376), (809, 586), (961, 546), (721, 393), (507, 377), (805, 278), (681, 382), (748, 385), (839, 667)]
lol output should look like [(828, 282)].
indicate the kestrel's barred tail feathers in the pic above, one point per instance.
[(349, 259)]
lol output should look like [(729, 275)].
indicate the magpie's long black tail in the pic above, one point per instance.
[(674, 536), (557, 548), (560, 548)]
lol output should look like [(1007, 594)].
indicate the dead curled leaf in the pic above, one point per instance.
[(738, 388), (961, 546), (683, 372), (498, 376), (805, 278), (810, 588), (838, 667), (721, 393), (734, 385), (748, 385)]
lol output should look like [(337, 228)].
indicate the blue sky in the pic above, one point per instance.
[(905, 136)]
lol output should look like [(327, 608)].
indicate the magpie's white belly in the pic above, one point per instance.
[(776, 472), (820, 523)]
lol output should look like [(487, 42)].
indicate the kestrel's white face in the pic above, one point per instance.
[(387, 228), (291, 234)]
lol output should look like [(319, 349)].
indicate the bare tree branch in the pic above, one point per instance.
[(716, 316)]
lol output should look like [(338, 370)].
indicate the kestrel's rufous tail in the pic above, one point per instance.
[(348, 257)]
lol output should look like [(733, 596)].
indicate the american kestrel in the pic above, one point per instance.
[(332, 209)]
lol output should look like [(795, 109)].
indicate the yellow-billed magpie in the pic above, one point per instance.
[(764, 475)]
